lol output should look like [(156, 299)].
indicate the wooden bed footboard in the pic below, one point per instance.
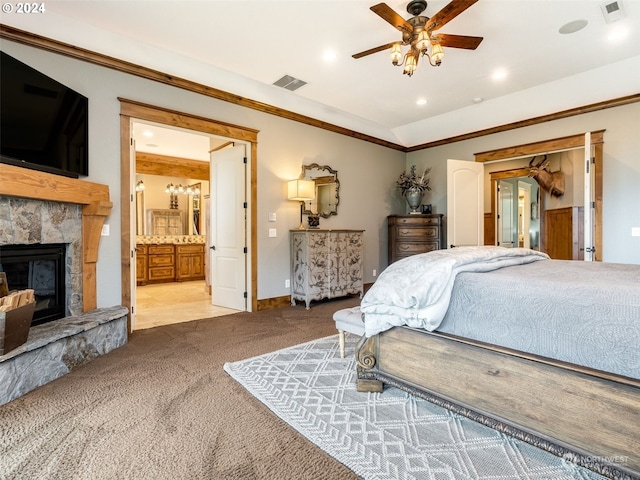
[(587, 416)]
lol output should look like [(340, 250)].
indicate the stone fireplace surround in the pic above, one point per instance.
[(25, 221), (36, 208)]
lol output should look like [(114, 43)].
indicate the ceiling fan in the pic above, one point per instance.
[(418, 33)]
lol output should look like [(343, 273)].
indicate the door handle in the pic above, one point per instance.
[(212, 247)]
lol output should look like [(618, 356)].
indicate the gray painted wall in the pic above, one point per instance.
[(367, 172), (621, 203)]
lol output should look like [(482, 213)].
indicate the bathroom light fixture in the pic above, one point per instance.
[(301, 191), (188, 190)]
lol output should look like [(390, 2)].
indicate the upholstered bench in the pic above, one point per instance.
[(348, 320)]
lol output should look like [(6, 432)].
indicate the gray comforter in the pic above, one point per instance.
[(415, 291), (580, 312)]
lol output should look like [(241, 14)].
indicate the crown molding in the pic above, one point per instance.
[(54, 46)]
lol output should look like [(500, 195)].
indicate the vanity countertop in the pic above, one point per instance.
[(173, 239)]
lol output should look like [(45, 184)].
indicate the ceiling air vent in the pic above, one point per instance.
[(289, 82), (612, 11)]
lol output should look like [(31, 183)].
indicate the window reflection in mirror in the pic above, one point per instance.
[(327, 190)]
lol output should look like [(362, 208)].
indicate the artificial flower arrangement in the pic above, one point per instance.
[(410, 181)]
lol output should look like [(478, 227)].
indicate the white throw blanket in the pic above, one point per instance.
[(416, 291)]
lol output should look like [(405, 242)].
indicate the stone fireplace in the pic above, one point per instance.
[(41, 209), (41, 268), (37, 223)]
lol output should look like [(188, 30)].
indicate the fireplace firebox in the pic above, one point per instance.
[(42, 268)]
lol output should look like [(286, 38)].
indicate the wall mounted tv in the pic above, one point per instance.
[(43, 124)]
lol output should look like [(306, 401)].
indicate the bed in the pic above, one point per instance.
[(547, 351)]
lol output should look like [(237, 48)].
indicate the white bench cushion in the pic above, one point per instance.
[(349, 320)]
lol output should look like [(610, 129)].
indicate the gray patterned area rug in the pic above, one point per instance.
[(389, 435)]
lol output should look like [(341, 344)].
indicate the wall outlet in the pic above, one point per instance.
[(287, 284), (635, 231), (272, 233), (375, 272)]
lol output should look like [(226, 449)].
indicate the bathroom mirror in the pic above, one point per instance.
[(327, 190), (152, 193)]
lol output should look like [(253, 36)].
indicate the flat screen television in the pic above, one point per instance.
[(43, 123)]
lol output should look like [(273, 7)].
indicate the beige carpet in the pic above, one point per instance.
[(162, 407)]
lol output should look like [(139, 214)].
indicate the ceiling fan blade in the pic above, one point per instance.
[(448, 13), (373, 50), (389, 15), (458, 41)]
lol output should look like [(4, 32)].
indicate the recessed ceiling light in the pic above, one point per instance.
[(572, 27), (421, 101), (329, 56), (618, 33), (147, 133), (500, 74)]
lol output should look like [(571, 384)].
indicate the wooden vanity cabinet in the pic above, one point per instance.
[(142, 265), (189, 262), (161, 263), (413, 234)]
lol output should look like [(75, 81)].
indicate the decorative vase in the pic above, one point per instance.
[(414, 199)]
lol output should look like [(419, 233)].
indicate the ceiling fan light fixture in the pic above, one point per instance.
[(410, 63), (418, 34), (437, 54), (396, 54), (423, 41)]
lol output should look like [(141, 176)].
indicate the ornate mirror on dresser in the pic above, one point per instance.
[(327, 190)]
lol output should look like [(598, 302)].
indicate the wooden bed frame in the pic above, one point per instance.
[(584, 415)]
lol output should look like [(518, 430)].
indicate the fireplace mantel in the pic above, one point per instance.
[(96, 206)]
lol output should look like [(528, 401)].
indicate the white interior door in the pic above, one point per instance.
[(465, 203), (589, 210), (133, 224), (228, 210)]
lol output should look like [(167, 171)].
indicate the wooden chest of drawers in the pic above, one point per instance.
[(412, 234)]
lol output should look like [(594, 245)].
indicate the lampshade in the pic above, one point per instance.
[(423, 41), (396, 54), (410, 63), (437, 53), (302, 190)]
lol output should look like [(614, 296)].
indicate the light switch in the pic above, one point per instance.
[(272, 217), (272, 232), (105, 230), (635, 231)]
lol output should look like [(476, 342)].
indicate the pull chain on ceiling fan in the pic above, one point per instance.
[(418, 34)]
